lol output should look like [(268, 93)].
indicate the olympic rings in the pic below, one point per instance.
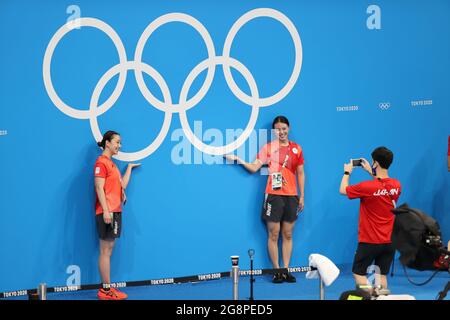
[(167, 106)]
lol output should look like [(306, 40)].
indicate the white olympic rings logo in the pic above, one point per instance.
[(184, 104), (384, 105)]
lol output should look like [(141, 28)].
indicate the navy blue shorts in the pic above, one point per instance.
[(278, 208), (109, 231), (370, 253)]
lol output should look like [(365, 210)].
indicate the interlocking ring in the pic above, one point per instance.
[(167, 105), (119, 68), (384, 105), (175, 17), (277, 15), (69, 26), (253, 117)]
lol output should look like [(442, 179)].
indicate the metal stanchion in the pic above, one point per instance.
[(42, 291), (235, 276), (251, 253), (321, 288)]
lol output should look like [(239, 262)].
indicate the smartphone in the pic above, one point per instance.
[(357, 162)]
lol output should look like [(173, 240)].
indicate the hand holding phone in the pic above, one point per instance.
[(357, 162)]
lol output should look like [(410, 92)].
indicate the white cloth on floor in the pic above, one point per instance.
[(396, 297), (325, 268)]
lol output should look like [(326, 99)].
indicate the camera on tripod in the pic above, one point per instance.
[(417, 237), (433, 241)]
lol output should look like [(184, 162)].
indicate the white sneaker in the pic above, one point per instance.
[(380, 291)]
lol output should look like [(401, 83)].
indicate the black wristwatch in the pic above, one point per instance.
[(347, 173)]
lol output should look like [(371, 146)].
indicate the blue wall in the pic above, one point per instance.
[(184, 219)]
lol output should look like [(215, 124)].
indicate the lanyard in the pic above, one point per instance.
[(287, 156)]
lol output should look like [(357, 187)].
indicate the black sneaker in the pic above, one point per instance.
[(277, 278), (288, 277)]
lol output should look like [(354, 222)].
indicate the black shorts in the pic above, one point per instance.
[(109, 231), (278, 208), (367, 253)]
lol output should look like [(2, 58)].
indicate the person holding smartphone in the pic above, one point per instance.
[(282, 203), (378, 196), (110, 194)]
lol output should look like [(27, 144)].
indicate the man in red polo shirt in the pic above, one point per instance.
[(378, 196)]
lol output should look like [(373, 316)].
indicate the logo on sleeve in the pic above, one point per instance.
[(294, 150), (97, 170)]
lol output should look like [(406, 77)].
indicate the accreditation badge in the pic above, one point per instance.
[(277, 180)]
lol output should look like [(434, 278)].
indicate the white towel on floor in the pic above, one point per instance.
[(396, 297), (325, 267)]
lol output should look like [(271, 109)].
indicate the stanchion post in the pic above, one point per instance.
[(321, 288), (42, 291), (235, 276), (251, 280), (251, 253)]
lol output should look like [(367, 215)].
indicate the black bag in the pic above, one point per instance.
[(417, 237)]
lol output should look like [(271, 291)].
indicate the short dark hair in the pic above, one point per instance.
[(280, 119), (383, 156), (108, 136)]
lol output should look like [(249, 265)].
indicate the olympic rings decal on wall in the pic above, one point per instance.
[(384, 105), (167, 106)]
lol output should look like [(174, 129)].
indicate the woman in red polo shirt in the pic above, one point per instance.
[(282, 203), (110, 194)]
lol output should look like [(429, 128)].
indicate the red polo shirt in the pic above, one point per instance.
[(448, 151), (273, 154), (375, 217), (105, 168)]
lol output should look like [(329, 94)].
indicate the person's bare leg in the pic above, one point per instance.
[(383, 281), (104, 260), (360, 280), (273, 229), (286, 232)]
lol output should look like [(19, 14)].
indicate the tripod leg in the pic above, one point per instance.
[(443, 293)]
